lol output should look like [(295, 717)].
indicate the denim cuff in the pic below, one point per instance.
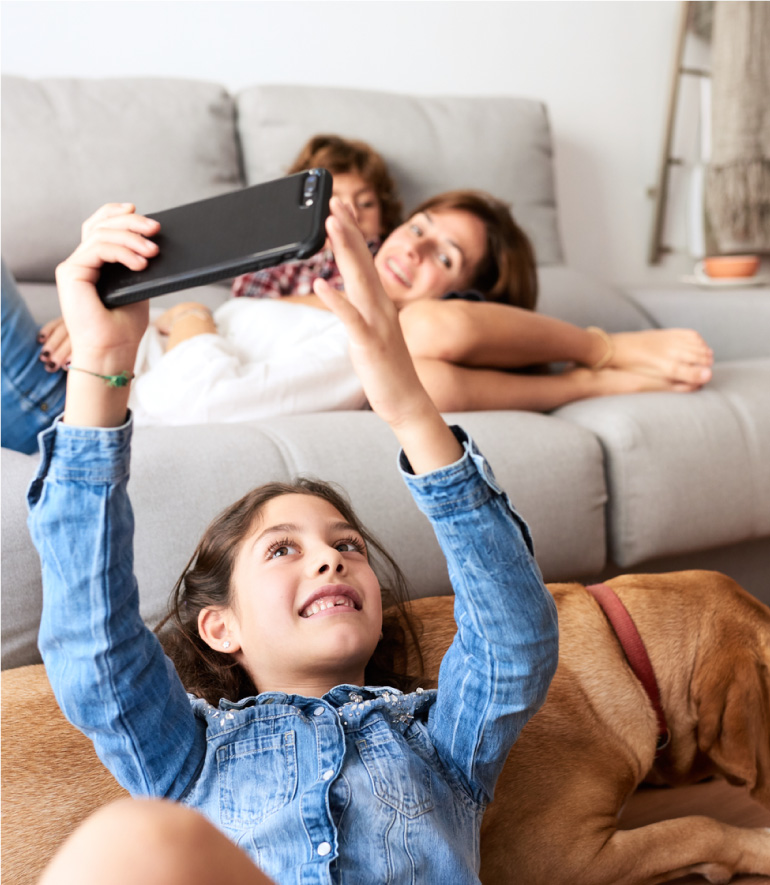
[(96, 455), (430, 490)]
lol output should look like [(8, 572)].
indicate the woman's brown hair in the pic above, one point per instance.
[(339, 155), (206, 581), (508, 272)]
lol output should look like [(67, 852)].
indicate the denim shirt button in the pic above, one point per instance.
[(324, 848), (328, 774), (319, 711)]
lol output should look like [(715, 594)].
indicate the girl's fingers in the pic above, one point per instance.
[(86, 261), (362, 284), (108, 210), (339, 305), (118, 216), (135, 242)]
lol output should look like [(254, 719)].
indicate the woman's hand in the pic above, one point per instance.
[(378, 350), (104, 342), (55, 339)]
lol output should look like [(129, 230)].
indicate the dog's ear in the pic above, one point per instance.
[(732, 694)]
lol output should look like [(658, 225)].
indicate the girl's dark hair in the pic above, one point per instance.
[(340, 155), (206, 581), (508, 273)]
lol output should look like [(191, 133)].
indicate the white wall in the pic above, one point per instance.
[(601, 67)]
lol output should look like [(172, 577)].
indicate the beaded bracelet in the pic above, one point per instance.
[(120, 380)]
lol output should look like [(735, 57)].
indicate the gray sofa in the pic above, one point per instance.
[(649, 482)]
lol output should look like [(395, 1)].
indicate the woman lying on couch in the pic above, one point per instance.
[(466, 350)]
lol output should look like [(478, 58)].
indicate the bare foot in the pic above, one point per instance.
[(679, 356), (608, 382)]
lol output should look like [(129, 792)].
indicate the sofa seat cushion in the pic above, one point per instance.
[(70, 145), (685, 472), (181, 477), (426, 142)]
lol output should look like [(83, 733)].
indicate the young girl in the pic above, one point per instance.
[(303, 771)]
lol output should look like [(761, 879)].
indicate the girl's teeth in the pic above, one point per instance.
[(323, 604)]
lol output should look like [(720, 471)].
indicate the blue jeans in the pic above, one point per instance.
[(32, 397)]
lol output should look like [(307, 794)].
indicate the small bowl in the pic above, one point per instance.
[(731, 266)]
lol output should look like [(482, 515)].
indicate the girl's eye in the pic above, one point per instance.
[(350, 545), (445, 260), (367, 204), (415, 229), (280, 549)]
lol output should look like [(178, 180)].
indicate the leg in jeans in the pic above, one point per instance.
[(31, 396)]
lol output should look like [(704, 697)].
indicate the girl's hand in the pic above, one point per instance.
[(378, 350), (104, 342), (108, 237)]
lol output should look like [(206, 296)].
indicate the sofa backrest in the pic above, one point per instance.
[(69, 145), (500, 144)]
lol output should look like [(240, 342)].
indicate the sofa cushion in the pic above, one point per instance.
[(431, 144), (685, 472), (183, 476), (70, 145)]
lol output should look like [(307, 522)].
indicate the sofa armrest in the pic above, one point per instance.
[(733, 321)]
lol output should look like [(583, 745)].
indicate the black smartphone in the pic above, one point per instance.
[(221, 237)]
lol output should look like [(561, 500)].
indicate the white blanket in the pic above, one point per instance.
[(270, 358)]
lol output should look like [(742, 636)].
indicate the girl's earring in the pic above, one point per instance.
[(226, 643)]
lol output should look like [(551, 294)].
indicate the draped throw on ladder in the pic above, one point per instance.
[(738, 176)]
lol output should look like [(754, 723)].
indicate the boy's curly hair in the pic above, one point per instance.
[(339, 155)]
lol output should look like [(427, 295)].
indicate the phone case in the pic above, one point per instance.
[(224, 236)]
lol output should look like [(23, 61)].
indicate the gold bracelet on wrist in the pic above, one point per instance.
[(608, 354)]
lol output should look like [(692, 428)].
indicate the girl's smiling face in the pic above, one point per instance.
[(307, 610), (432, 254)]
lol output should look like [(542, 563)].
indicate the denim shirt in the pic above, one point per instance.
[(362, 785)]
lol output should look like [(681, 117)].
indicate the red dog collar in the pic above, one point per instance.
[(634, 650)]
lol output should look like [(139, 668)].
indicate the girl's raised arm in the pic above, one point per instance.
[(379, 352), (104, 342)]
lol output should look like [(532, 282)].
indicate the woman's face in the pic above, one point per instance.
[(432, 254), (307, 608), (357, 193)]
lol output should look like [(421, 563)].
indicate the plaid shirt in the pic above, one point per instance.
[(293, 278)]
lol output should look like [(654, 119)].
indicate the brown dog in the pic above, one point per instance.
[(578, 760), (554, 819)]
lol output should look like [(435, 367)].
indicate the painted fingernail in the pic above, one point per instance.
[(41, 338), (67, 364), (46, 353), (50, 367)]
